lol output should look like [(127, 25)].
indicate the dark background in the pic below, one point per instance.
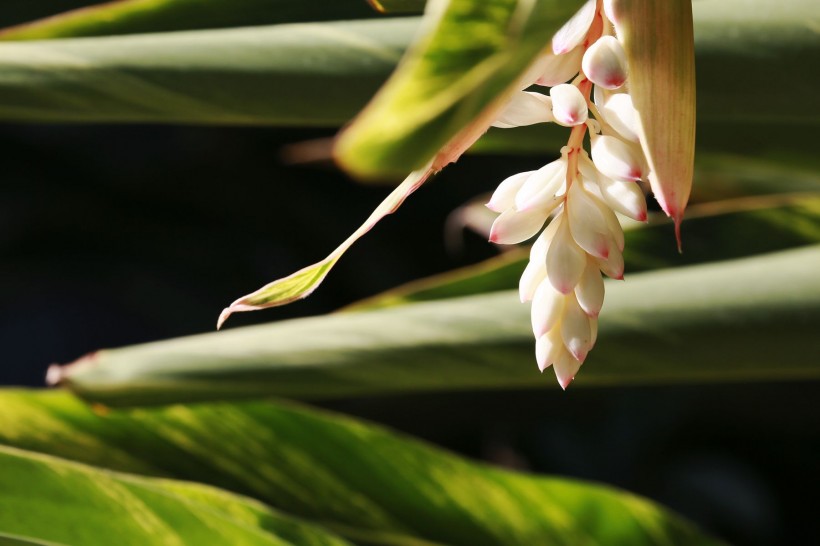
[(118, 235)]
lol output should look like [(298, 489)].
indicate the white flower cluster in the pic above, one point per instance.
[(584, 238)]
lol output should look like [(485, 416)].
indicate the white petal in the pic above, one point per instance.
[(590, 289), (548, 348), (547, 305), (624, 196), (605, 64), (504, 196), (525, 108), (593, 328), (515, 227), (619, 112), (613, 266), (612, 222), (565, 259), (557, 69), (616, 159), (568, 105), (575, 30), (542, 185), (566, 367), (575, 330), (586, 222), (533, 275)]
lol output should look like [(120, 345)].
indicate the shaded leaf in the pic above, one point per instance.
[(349, 475), (138, 16), (749, 319), (48, 501), (301, 74), (452, 81)]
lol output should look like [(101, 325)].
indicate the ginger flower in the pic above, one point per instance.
[(578, 196)]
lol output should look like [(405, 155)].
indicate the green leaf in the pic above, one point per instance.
[(742, 320), (450, 85), (351, 476), (302, 283), (713, 232), (303, 74), (138, 16), (49, 501)]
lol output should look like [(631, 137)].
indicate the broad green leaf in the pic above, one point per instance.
[(299, 74), (322, 74), (451, 83), (50, 501), (659, 41), (302, 283), (138, 16), (742, 320), (351, 476)]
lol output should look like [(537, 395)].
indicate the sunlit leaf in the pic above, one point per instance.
[(138, 16), (749, 319), (302, 283), (355, 478), (450, 84), (49, 501)]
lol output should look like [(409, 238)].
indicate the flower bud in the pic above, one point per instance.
[(533, 275), (616, 159), (623, 196), (547, 306), (604, 63), (565, 366), (575, 30), (557, 69), (503, 197), (613, 266), (575, 330), (525, 108), (590, 289), (515, 227), (565, 259), (542, 185), (586, 222), (548, 348), (569, 108), (619, 113)]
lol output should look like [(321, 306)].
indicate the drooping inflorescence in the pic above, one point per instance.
[(578, 194)]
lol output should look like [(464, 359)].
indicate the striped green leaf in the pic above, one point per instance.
[(49, 501), (748, 319), (355, 478), (138, 16)]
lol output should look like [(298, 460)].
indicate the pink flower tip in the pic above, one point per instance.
[(580, 356), (565, 382), (642, 216)]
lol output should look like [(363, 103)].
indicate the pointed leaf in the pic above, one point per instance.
[(46, 500), (726, 321), (302, 283), (358, 479), (658, 38), (454, 78)]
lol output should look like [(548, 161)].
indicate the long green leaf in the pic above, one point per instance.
[(323, 73), (300, 74), (349, 475), (45, 500), (749, 319), (138, 16), (452, 81)]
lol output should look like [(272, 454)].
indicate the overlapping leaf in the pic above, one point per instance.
[(49, 501), (726, 321), (357, 479)]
